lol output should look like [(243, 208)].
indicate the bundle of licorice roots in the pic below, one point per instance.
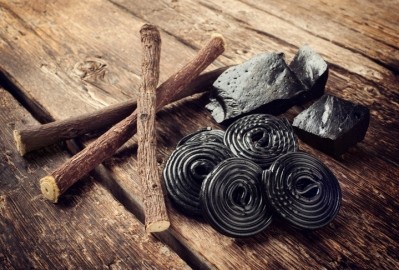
[(240, 179)]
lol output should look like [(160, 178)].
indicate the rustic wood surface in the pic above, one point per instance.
[(65, 58)]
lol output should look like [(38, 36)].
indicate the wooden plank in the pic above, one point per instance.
[(88, 229), (346, 242), (345, 23)]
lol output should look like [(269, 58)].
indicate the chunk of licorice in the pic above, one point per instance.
[(185, 170), (264, 82), (261, 138), (203, 135), (312, 71), (233, 199), (302, 190), (332, 124)]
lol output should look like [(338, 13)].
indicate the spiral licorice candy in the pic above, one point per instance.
[(203, 135), (261, 138), (233, 199), (185, 170), (302, 190)]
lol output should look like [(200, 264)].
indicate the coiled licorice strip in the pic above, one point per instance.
[(185, 170), (203, 135), (302, 190), (261, 138), (233, 199)]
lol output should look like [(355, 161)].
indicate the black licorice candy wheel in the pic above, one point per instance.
[(185, 170), (261, 138), (203, 135), (302, 190), (233, 199)]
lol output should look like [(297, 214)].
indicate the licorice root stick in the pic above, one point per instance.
[(52, 186), (156, 216), (34, 137)]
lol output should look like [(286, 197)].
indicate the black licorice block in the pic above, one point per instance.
[(332, 124), (266, 84), (312, 71), (264, 80)]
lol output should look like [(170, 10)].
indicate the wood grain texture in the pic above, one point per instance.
[(359, 40), (356, 33), (88, 229)]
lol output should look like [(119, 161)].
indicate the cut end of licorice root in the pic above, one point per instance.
[(220, 36), (18, 142), (158, 226), (49, 188)]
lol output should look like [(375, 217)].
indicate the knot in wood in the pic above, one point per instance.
[(91, 69)]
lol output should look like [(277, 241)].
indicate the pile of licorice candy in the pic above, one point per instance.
[(240, 179)]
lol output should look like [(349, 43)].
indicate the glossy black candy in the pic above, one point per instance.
[(332, 124), (261, 138), (203, 135), (263, 81), (302, 190), (233, 199), (185, 170)]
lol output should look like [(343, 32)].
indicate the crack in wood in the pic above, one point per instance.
[(393, 67), (28, 102), (178, 38)]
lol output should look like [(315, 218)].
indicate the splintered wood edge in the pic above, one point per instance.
[(21, 147), (158, 226), (49, 188)]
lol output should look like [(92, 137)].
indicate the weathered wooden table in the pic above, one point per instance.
[(63, 58)]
